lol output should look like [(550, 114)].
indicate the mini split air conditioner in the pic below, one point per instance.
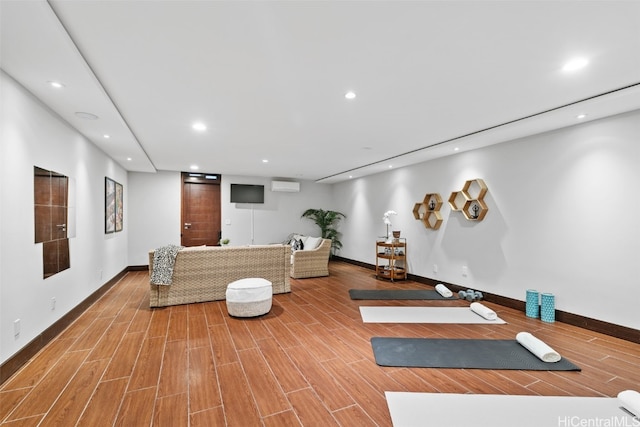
[(286, 186)]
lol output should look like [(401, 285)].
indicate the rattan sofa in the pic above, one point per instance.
[(311, 263), (202, 274)]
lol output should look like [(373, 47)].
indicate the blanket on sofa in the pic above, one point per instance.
[(164, 260)]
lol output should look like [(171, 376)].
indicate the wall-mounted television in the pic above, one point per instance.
[(247, 193)]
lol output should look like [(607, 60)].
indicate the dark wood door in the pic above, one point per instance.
[(51, 194), (201, 223)]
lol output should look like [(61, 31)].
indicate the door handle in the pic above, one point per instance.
[(187, 225)]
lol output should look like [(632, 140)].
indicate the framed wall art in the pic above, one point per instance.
[(119, 206), (109, 205)]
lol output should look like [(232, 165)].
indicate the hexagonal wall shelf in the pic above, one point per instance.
[(475, 189), (456, 200), (433, 220), (419, 210), (474, 210), (470, 200), (429, 211), (432, 201)]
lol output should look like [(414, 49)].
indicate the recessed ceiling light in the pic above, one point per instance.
[(581, 116), (129, 159), (575, 64), (194, 167), (350, 176), (265, 161), (199, 126), (86, 116), (350, 95), (106, 136), (390, 166), (456, 149), (55, 84)]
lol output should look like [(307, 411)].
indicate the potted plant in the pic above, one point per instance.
[(326, 220), (224, 242), (387, 222)]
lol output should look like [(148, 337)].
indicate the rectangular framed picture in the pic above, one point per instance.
[(109, 205), (119, 206)]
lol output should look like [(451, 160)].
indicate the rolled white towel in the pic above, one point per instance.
[(443, 290), (538, 347), (483, 311), (630, 400)]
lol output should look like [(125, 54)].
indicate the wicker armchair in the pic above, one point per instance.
[(311, 263)]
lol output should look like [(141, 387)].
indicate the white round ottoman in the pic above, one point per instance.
[(249, 297)]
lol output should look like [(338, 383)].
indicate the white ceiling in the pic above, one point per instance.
[(268, 77)]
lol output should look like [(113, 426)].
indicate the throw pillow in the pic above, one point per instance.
[(302, 238), (312, 243), (297, 245), (294, 238)]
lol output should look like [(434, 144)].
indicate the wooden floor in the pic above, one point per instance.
[(308, 362)]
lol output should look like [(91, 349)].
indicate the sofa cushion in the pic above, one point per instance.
[(312, 243)]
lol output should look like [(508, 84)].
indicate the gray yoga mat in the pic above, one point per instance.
[(381, 294), (461, 353)]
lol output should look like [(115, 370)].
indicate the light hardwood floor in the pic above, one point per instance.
[(308, 362)]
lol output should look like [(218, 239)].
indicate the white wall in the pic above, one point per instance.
[(155, 212), (562, 218), (278, 217), (33, 136)]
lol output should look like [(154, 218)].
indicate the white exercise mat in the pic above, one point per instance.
[(490, 410), (423, 315)]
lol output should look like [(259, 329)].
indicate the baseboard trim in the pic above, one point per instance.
[(354, 262), (15, 362), (610, 329)]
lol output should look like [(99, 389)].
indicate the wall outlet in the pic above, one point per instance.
[(53, 303), (16, 328), (99, 274), (465, 271), (435, 268)]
